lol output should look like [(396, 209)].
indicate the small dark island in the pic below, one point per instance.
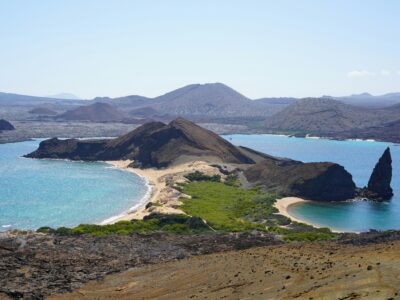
[(5, 125)]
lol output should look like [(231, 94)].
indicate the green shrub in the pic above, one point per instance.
[(152, 223), (45, 229), (307, 236), (199, 176), (232, 180)]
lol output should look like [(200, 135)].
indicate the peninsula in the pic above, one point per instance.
[(158, 145)]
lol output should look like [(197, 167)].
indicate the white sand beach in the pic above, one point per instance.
[(165, 199), (283, 204)]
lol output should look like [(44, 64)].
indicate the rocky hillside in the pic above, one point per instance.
[(324, 116), (5, 125), (96, 112), (314, 181), (321, 181), (154, 144)]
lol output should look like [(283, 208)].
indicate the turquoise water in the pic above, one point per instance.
[(358, 157), (36, 193)]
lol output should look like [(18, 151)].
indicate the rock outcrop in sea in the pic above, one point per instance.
[(5, 125), (378, 187)]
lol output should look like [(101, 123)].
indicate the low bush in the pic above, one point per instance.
[(151, 223), (199, 176)]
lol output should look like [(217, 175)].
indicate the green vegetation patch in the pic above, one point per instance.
[(303, 232), (229, 208), (153, 223), (199, 176), (225, 207)]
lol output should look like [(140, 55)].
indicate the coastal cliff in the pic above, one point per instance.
[(314, 181)]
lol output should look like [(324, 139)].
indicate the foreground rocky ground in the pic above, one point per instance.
[(33, 266), (348, 269), (207, 266)]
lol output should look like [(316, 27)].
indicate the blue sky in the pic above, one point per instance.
[(260, 48)]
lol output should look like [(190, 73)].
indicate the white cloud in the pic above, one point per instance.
[(386, 73), (360, 73)]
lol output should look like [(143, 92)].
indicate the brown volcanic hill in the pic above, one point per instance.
[(212, 100), (325, 115), (96, 112), (151, 145), (323, 181), (42, 111), (5, 125)]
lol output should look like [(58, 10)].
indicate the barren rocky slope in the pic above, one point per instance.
[(33, 266), (362, 266), (328, 116)]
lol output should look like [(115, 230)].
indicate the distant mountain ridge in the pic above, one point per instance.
[(67, 96), (326, 116), (370, 101), (16, 99)]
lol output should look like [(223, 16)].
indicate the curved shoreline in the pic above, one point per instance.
[(138, 206), (165, 199), (137, 211), (283, 204)]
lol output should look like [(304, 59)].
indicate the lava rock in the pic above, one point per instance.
[(379, 183), (381, 177)]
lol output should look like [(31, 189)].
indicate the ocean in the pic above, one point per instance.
[(35, 193), (358, 157)]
